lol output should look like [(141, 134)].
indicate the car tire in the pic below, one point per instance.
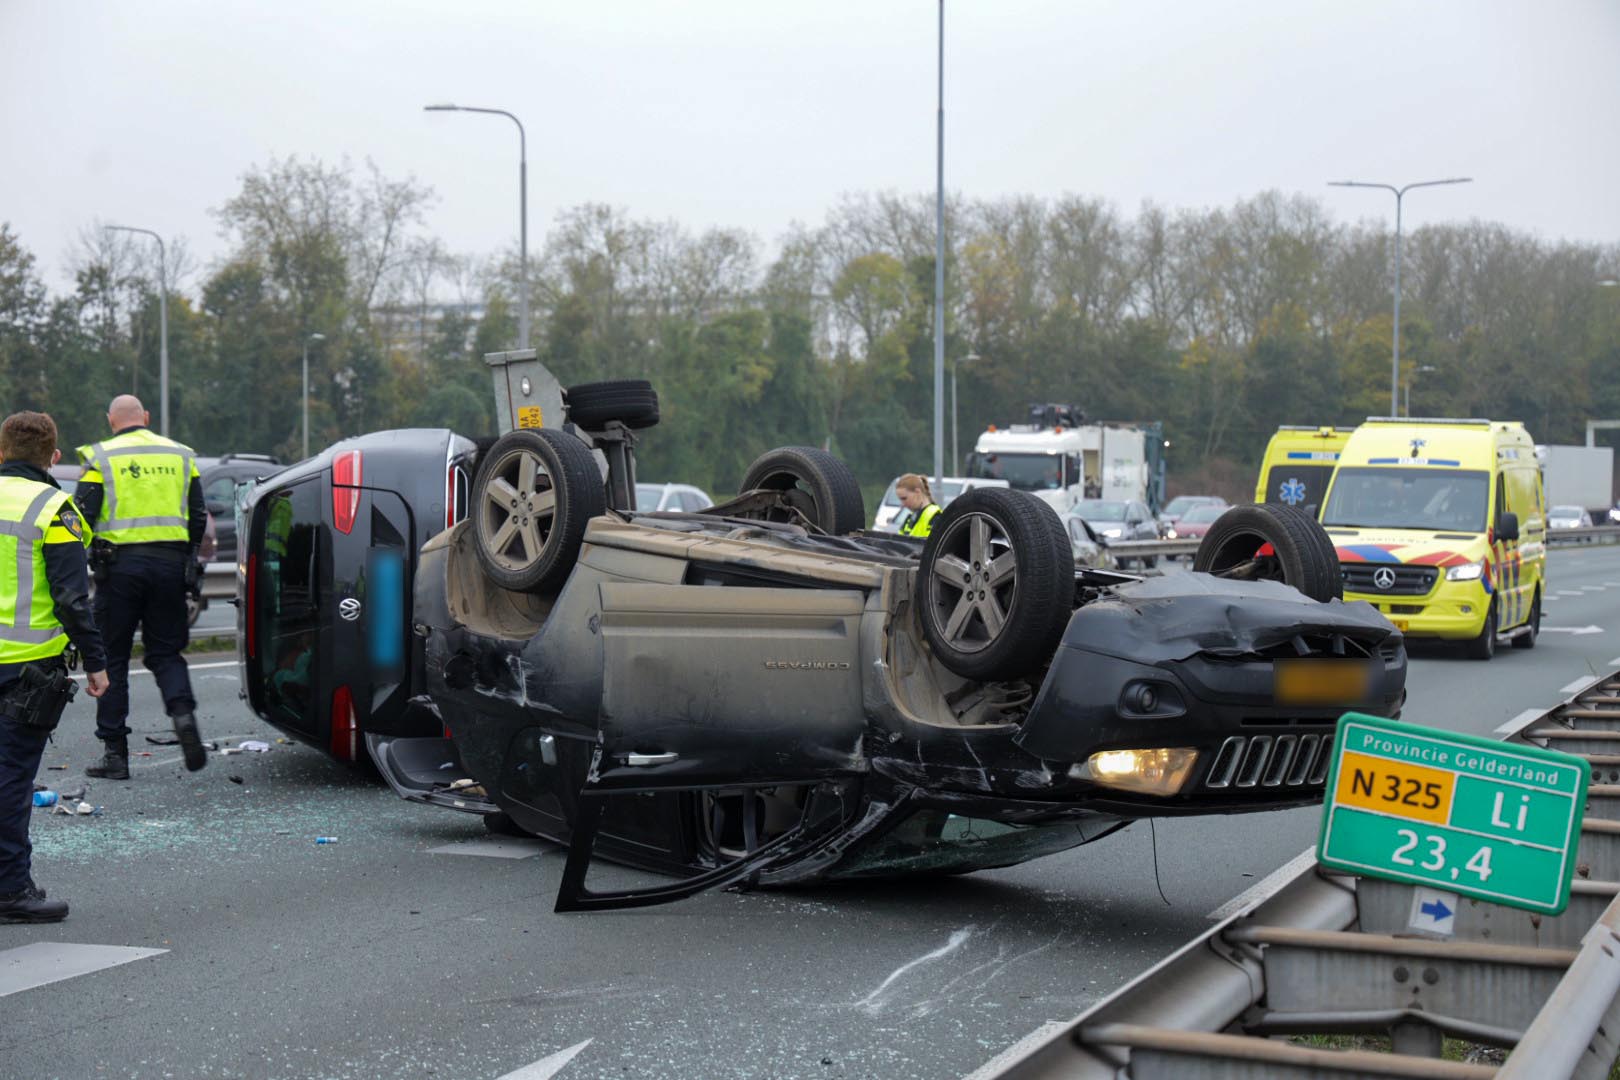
[(965, 588), (1527, 640), (1483, 647), (1301, 554), (536, 489), (819, 486), (632, 402)]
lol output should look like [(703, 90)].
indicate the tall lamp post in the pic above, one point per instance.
[(956, 456), (939, 263), (307, 340), (1395, 361), (163, 326), (523, 210)]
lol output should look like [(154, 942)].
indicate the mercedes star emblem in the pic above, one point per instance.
[(349, 608), (1383, 577)]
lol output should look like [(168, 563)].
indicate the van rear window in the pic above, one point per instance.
[(1409, 498), (1298, 485)]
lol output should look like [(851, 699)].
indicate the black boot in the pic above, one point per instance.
[(114, 764), (30, 906), (185, 726)]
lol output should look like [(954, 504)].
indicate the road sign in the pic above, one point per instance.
[(1460, 813)]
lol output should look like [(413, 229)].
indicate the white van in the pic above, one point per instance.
[(890, 514)]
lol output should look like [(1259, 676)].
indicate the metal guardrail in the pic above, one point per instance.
[(1306, 952), (1596, 534), (1138, 549)]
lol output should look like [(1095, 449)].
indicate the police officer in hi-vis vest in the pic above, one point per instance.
[(142, 495), (44, 604)]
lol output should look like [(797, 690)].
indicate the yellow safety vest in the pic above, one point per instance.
[(145, 480), (922, 523), (29, 629)]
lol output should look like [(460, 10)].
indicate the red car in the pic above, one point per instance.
[(1196, 522)]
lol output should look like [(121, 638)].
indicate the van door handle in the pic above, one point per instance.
[(650, 759)]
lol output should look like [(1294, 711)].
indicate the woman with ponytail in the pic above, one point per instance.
[(919, 503)]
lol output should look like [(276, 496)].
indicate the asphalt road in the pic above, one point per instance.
[(376, 958)]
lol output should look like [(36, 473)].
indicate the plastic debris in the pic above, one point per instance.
[(233, 778), (463, 783), (163, 740), (45, 798), (253, 746), (227, 751), (58, 768), (86, 809), (326, 839)]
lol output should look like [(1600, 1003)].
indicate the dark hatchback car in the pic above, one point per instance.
[(325, 642), (221, 477), (758, 691)]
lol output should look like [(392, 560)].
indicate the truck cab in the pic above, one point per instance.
[(1061, 459)]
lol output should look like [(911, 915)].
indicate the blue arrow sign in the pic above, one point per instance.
[(1436, 910)]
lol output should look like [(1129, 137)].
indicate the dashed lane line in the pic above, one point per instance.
[(1579, 684), (44, 962), (190, 667), (496, 847)]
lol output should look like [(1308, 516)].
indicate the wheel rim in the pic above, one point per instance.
[(518, 510), (794, 495), (975, 582)]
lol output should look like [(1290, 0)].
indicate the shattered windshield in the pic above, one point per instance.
[(940, 841)]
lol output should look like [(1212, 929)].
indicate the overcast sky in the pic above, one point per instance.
[(757, 113)]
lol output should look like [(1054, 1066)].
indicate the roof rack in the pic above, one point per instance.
[(1423, 420), (271, 458)]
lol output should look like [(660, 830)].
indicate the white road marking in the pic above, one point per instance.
[(1576, 630), (998, 1064), (1615, 662), (547, 1067), (1570, 592), (46, 962), (873, 1002), (1523, 720), (1262, 889), (1579, 684), (496, 847), (1593, 588), (133, 671)]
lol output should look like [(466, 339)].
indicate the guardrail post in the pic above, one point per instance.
[(1418, 1040)]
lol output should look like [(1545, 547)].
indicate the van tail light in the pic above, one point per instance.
[(346, 477), (455, 495), (345, 738), (1264, 550), (252, 605)]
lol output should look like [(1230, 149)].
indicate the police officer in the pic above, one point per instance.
[(44, 603), (919, 503), (143, 497)]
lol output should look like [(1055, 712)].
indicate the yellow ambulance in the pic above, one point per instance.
[(1298, 464), (1441, 525)]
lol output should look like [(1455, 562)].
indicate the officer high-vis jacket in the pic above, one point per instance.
[(33, 516), (921, 523), (145, 480)]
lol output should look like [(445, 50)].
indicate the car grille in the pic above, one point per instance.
[(1270, 761), (1325, 646), (1409, 580)]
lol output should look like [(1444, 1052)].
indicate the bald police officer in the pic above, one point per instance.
[(143, 497), (44, 604)]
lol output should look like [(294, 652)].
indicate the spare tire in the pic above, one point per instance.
[(1272, 542), (818, 485), (632, 402), (536, 489), (996, 585)]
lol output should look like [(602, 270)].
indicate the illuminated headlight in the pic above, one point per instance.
[(1169, 534), (1112, 534), (1160, 771), (1465, 572)]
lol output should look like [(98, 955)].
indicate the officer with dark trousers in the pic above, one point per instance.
[(44, 605), (143, 498)]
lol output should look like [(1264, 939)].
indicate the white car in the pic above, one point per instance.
[(1568, 517), (681, 497), (890, 513)]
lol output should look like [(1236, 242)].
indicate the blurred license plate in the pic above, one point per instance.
[(1322, 682)]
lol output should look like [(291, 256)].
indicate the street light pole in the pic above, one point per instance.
[(523, 210), (1400, 192), (307, 340), (163, 326), (939, 264)]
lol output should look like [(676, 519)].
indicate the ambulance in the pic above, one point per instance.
[(1441, 525), (1298, 464)]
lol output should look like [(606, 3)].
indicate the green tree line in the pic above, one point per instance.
[(1222, 323)]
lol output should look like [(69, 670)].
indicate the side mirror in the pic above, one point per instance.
[(1507, 526)]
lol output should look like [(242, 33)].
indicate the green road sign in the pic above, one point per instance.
[(1469, 815)]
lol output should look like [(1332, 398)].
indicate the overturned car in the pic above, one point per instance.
[(763, 693)]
